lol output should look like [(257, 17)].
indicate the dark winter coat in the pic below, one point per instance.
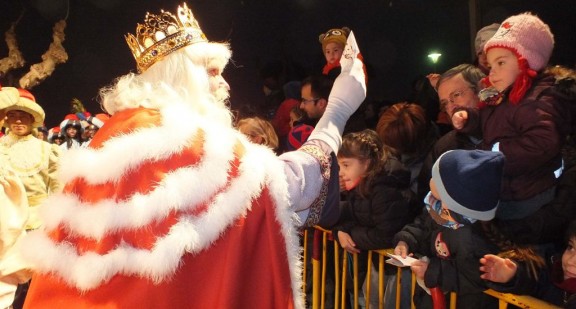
[(550, 286), (373, 221), (454, 259), (531, 135), (550, 222)]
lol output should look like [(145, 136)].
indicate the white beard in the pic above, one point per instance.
[(221, 95)]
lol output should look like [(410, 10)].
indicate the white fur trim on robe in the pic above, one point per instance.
[(296, 178)]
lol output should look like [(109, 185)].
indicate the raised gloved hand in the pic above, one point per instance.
[(348, 92)]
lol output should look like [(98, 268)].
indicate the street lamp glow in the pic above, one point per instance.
[(434, 57)]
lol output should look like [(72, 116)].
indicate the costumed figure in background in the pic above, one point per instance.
[(169, 206), (42, 133), (55, 136), (72, 129), (94, 124), (34, 161), (13, 217)]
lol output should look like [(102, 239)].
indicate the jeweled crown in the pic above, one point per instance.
[(162, 34)]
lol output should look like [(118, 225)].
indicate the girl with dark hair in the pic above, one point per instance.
[(379, 201)]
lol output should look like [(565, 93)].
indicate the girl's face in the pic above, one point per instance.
[(569, 260), (71, 131), (503, 67), (333, 52), (352, 170)]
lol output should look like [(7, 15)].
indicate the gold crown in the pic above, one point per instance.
[(162, 34)]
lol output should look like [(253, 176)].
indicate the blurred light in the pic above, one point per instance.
[(434, 57)]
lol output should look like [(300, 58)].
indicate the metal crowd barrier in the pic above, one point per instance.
[(318, 263)]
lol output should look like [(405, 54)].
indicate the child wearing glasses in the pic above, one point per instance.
[(521, 114)]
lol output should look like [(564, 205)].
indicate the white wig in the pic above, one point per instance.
[(179, 78)]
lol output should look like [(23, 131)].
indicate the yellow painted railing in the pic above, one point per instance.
[(317, 252)]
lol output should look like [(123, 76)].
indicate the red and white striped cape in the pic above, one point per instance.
[(166, 210)]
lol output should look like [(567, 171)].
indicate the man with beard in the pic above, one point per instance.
[(169, 206)]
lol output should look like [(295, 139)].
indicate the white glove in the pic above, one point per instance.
[(348, 92)]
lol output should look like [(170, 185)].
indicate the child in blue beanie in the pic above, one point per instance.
[(464, 191)]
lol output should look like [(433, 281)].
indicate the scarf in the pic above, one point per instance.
[(434, 208)]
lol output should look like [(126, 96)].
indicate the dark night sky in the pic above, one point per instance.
[(394, 37)]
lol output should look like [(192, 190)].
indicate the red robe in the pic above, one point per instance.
[(165, 225)]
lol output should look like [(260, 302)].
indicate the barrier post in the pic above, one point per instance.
[(324, 253), (316, 268), (321, 237), (304, 260), (355, 267)]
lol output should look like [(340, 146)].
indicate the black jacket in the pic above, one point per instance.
[(549, 223), (372, 222), (454, 254)]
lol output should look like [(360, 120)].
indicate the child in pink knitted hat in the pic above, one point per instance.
[(521, 114)]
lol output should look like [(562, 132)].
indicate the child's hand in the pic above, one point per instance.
[(497, 269), (419, 268), (346, 242), (459, 119), (402, 249), (11, 187)]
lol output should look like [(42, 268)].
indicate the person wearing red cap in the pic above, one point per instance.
[(55, 136), (72, 129), (170, 206), (33, 160), (521, 114)]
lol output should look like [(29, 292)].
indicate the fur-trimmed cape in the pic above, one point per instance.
[(166, 210)]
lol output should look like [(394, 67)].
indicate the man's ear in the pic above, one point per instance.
[(323, 103)]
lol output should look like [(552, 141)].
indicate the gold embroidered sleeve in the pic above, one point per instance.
[(325, 162)]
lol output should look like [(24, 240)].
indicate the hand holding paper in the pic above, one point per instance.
[(399, 261)]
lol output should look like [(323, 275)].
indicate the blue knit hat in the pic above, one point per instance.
[(469, 181)]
